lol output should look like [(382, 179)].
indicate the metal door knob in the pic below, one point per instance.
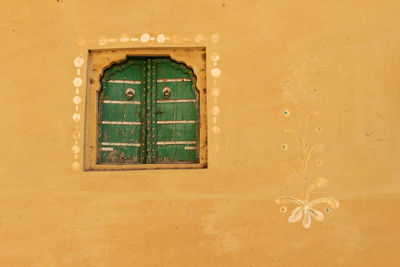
[(130, 93), (166, 92)]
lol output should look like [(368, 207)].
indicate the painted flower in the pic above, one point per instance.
[(306, 209)]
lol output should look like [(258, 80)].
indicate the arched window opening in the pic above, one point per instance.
[(148, 113)]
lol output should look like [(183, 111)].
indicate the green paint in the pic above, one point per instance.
[(143, 138)]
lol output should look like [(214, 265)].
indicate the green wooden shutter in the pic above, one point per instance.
[(177, 114), (153, 126)]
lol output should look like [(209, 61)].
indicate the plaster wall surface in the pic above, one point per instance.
[(281, 62)]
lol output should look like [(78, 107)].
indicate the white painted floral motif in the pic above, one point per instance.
[(303, 136), (306, 208)]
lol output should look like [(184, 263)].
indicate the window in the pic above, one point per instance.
[(148, 112)]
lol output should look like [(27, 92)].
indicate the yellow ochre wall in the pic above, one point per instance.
[(282, 62)]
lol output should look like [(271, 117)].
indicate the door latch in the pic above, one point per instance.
[(166, 92), (130, 93)]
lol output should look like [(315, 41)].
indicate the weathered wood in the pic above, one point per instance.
[(121, 113), (153, 126), (180, 115)]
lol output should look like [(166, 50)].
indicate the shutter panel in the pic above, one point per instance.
[(177, 129), (120, 114), (159, 124)]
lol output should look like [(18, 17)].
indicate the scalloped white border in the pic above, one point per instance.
[(143, 40)]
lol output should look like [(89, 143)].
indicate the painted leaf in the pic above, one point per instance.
[(316, 214), (296, 215), (307, 219)]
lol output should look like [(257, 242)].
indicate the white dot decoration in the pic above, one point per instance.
[(145, 38), (286, 113), (76, 135), (216, 130), (75, 166), (77, 82), (76, 100), (216, 72), (76, 117), (176, 39), (103, 41), (81, 41), (124, 38), (78, 62), (284, 147), (199, 38), (214, 57), (215, 91), (75, 149), (215, 110), (215, 38), (161, 38)]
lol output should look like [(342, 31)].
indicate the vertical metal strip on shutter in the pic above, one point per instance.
[(153, 112), (143, 113), (148, 111)]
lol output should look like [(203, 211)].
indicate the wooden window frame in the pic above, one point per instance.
[(101, 59)]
